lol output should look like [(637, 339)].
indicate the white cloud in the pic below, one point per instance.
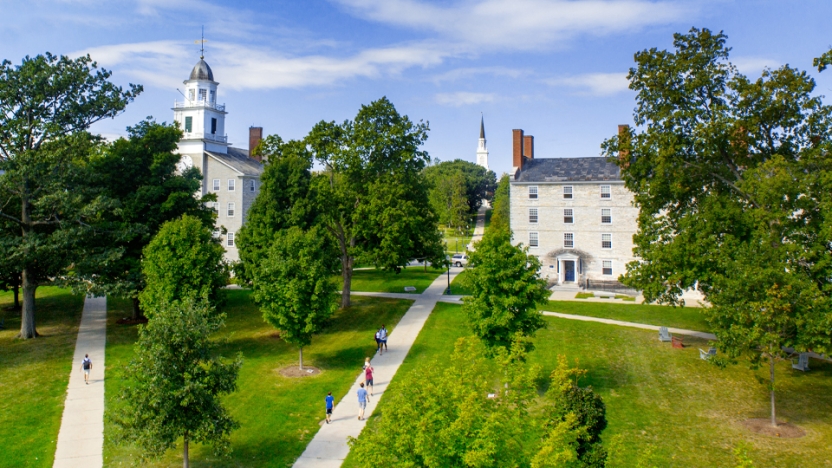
[(754, 65), (166, 63), (519, 24), (595, 84), (463, 73), (463, 98)]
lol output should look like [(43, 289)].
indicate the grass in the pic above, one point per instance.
[(625, 298), (581, 295), (391, 282), (665, 406), (277, 415), (457, 288), (690, 318), (34, 376)]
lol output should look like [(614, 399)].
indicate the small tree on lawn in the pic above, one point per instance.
[(175, 382), (293, 285), (505, 290), (183, 260)]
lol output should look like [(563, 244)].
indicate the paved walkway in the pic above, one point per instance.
[(677, 331), (329, 446), (81, 439)]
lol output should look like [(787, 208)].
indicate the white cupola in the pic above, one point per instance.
[(199, 115)]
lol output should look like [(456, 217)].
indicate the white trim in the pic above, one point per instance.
[(602, 240), (572, 240), (602, 215)]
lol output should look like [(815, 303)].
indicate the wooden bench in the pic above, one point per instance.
[(664, 335), (677, 342)]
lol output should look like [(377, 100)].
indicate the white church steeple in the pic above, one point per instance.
[(482, 151), (199, 115)]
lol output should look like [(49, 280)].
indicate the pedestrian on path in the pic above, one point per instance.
[(329, 403), (368, 378), (366, 363), (378, 340), (383, 337), (362, 402), (86, 366)]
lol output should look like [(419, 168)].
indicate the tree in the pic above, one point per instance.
[(506, 288), (183, 260), (448, 200), (732, 180), (478, 182), (140, 172), (500, 215), (371, 195), (175, 382), (293, 285), (46, 105)]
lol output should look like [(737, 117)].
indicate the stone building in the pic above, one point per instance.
[(574, 214), (227, 171)]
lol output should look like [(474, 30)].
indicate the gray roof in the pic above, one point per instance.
[(568, 170), (238, 159), (202, 71)]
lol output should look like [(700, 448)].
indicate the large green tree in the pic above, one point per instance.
[(140, 172), (506, 288), (448, 200), (46, 105), (732, 177), (478, 183), (371, 196), (293, 285), (175, 382), (500, 214)]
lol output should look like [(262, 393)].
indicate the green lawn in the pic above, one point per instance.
[(665, 406), (388, 281), (278, 416), (690, 318), (456, 285), (34, 375)]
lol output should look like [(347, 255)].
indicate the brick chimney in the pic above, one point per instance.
[(255, 134), (517, 145), (624, 144), (528, 146)]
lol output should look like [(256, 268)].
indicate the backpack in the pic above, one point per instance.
[(86, 364)]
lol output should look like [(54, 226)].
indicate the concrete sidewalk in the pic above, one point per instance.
[(81, 438), (677, 331)]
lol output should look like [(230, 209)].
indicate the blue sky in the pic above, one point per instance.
[(553, 68)]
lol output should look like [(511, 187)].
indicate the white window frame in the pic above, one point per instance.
[(191, 94), (606, 219), (533, 216), (229, 239), (217, 185), (232, 184), (534, 239), (606, 237), (608, 192), (568, 192), (604, 267), (203, 95), (568, 240), (533, 192), (252, 186), (232, 207), (212, 95), (217, 232), (568, 214)]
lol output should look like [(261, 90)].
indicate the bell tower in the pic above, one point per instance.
[(482, 151)]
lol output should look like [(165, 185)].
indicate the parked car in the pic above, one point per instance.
[(459, 260)]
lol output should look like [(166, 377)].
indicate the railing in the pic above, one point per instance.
[(198, 103), (206, 136)]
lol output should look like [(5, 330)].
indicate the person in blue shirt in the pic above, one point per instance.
[(362, 401), (329, 404)]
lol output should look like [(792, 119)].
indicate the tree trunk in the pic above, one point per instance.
[(300, 353), (771, 371), (137, 309), (17, 297), (346, 274), (27, 317), (185, 461)]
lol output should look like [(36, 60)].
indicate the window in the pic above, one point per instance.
[(212, 96), (568, 240), (567, 216), (231, 207), (217, 232), (190, 94), (605, 191), (567, 191), (216, 185), (203, 94), (189, 124), (533, 239), (606, 217), (532, 215), (251, 186), (533, 191), (606, 241), (213, 126), (230, 237), (606, 268), (230, 185)]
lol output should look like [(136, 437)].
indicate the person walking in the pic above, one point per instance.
[(366, 363), (86, 366), (383, 337), (329, 403), (362, 402), (368, 378), (378, 340)]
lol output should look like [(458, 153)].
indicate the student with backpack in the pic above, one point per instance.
[(86, 366), (378, 340)]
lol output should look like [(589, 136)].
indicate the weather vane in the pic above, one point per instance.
[(201, 43)]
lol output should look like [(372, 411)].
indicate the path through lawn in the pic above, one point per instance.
[(392, 282), (278, 416)]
